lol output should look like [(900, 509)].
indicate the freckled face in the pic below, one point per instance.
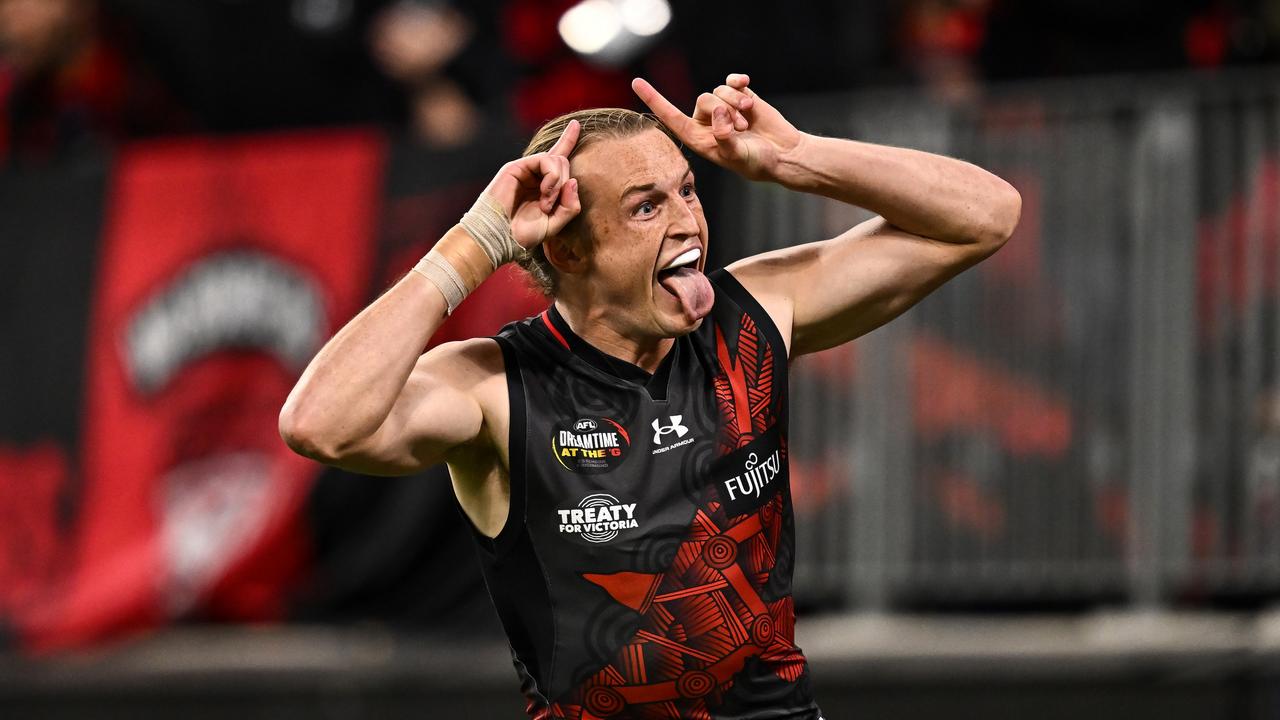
[(642, 211)]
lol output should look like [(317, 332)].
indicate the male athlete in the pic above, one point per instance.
[(623, 455)]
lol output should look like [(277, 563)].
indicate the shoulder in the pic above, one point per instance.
[(473, 369), (472, 359), (747, 281)]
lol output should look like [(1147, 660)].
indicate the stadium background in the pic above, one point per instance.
[(1052, 489)]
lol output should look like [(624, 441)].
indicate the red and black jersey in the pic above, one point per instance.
[(645, 567)]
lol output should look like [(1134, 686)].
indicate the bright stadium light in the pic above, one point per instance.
[(590, 26), (645, 17), (612, 32)]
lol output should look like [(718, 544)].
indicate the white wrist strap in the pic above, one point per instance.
[(437, 268), (488, 224)]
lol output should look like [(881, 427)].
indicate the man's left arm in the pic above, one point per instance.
[(936, 216)]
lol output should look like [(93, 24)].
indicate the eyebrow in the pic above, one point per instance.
[(633, 189)]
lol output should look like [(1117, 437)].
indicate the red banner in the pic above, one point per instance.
[(225, 265)]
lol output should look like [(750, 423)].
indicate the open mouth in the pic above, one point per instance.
[(683, 263), (687, 284)]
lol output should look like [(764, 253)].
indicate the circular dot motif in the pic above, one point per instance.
[(762, 631), (695, 683), (720, 551), (604, 701)]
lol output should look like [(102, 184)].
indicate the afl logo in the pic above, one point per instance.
[(590, 445)]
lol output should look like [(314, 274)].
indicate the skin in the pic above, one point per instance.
[(39, 34), (641, 217), (370, 403)]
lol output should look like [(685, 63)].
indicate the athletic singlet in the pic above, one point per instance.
[(645, 567)]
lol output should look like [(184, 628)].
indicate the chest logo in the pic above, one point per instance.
[(675, 427), (598, 518), (670, 433), (590, 445)]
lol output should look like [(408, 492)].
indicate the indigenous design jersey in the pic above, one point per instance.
[(645, 568)]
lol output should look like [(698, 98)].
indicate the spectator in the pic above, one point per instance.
[(940, 42), (413, 43), (66, 81)]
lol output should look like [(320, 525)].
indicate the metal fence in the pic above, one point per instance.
[(1091, 415)]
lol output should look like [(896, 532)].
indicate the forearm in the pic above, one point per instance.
[(925, 194), (350, 386)]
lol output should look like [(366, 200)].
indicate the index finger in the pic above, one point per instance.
[(567, 140), (669, 114)]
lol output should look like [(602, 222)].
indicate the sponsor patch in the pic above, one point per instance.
[(598, 518), (749, 476), (590, 445)]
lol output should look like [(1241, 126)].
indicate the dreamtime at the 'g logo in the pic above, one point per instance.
[(590, 445)]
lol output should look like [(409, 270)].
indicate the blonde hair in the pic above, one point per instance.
[(597, 123)]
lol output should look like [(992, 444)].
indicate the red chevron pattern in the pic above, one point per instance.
[(744, 387)]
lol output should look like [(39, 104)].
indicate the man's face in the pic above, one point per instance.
[(641, 212)]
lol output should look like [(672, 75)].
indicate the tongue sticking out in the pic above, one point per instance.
[(693, 290)]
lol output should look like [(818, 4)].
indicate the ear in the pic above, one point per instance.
[(564, 253)]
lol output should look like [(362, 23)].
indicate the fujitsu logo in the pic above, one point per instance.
[(755, 476), (675, 427), (752, 475)]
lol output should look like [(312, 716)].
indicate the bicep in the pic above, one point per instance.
[(437, 412), (839, 289)]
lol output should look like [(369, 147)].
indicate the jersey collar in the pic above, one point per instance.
[(655, 383)]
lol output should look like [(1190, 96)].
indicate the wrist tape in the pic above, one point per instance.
[(437, 268), (487, 223)]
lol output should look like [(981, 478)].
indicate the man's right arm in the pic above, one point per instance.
[(370, 401)]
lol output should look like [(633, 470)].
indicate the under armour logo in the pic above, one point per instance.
[(675, 427)]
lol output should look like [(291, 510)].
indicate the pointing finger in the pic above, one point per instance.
[(567, 140), (669, 114)]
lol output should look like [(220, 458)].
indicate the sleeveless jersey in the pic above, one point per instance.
[(645, 567)]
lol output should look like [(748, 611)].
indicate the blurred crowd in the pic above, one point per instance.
[(87, 71)]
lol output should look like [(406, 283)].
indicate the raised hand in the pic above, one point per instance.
[(537, 191), (731, 126)]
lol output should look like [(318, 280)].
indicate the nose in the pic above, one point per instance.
[(684, 221)]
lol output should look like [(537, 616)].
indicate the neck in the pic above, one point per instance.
[(592, 325)]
